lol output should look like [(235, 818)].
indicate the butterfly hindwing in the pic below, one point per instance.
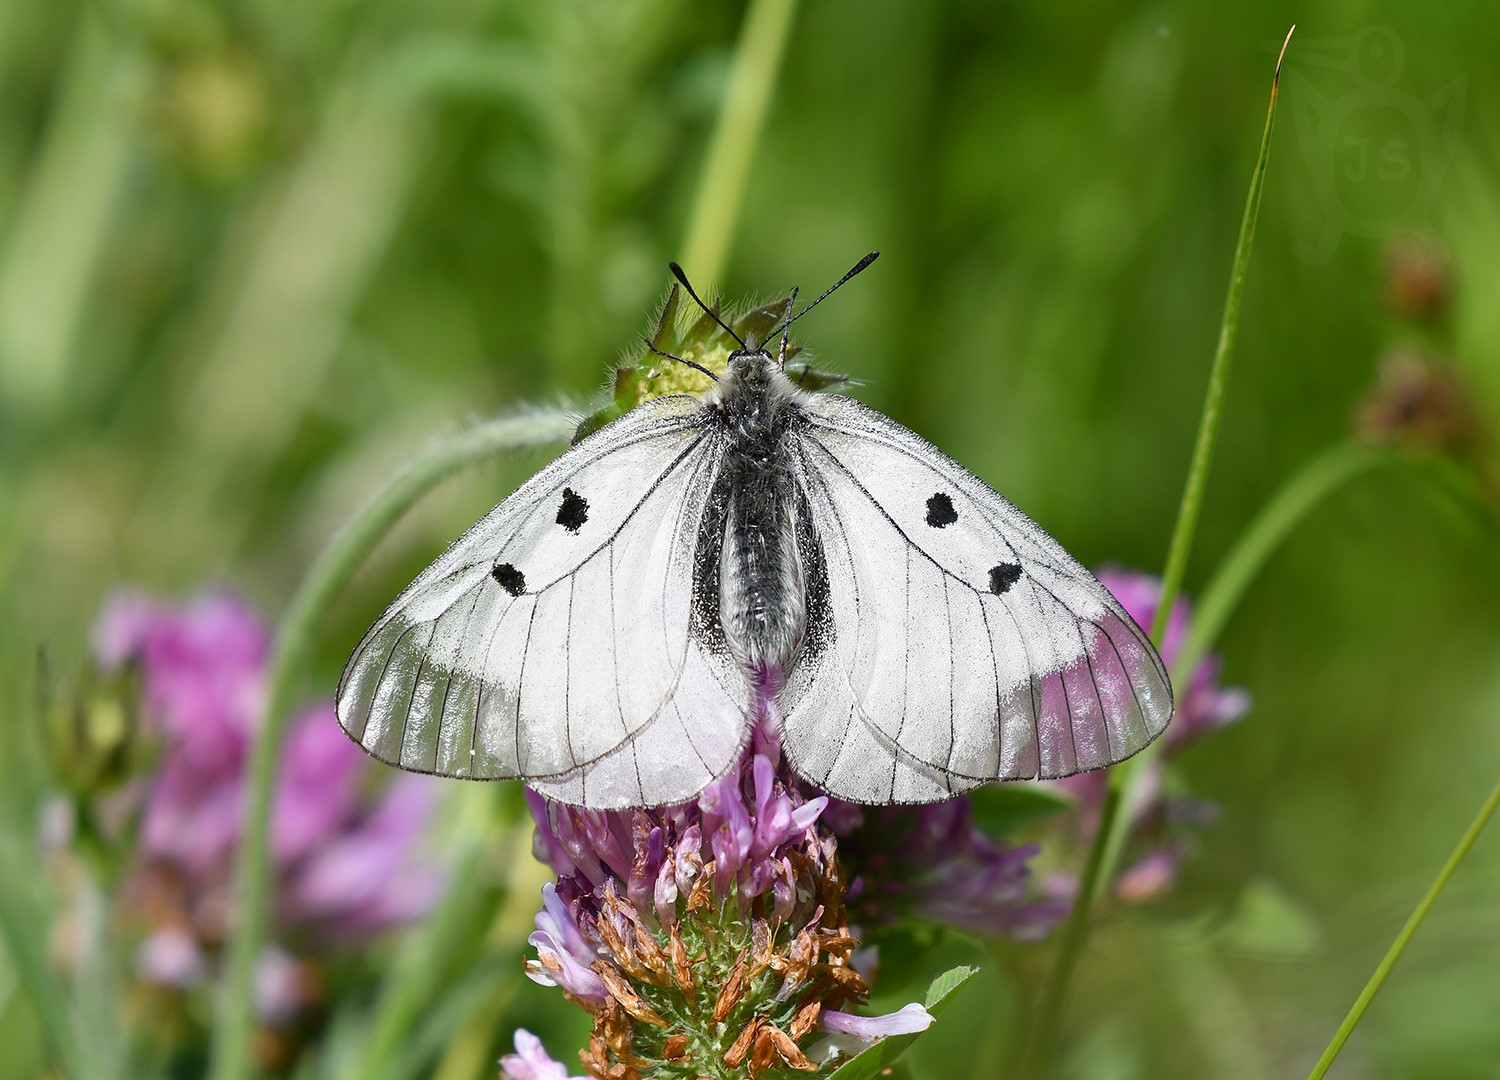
[(553, 641), (967, 645)]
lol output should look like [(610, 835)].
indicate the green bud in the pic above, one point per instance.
[(652, 374)]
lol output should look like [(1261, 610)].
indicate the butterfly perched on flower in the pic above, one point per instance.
[(757, 554)]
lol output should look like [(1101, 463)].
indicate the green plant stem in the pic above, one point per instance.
[(425, 959), (323, 583), (1110, 833), (1218, 379), (1387, 962), (24, 926), (721, 191), (1038, 1046)]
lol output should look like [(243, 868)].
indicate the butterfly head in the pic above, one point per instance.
[(752, 365), (752, 353)]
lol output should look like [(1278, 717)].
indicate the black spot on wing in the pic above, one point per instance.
[(940, 511), (573, 512), (510, 579), (1002, 577)]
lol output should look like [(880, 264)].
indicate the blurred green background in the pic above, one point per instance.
[(254, 256)]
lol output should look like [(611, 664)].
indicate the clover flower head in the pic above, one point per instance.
[(708, 935)]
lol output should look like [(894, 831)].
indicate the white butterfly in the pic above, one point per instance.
[(611, 632)]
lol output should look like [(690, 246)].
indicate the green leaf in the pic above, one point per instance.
[(1001, 809), (1270, 923), (870, 1063)]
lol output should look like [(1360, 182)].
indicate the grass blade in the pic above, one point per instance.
[(24, 930), (1403, 939), (1110, 835)]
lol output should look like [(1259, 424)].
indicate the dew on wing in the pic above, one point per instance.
[(573, 512), (1003, 576), (510, 579), (940, 511)]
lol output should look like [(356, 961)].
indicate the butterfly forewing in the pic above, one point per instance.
[(968, 645), (553, 640)]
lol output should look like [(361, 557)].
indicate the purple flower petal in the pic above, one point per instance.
[(907, 1020), (125, 624), (371, 876), (344, 864), (1150, 877), (730, 828), (531, 1061), (558, 934)]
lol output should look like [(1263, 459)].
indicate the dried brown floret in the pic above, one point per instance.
[(735, 1055), (682, 971), (806, 1019), (732, 991), (787, 1050), (620, 989)]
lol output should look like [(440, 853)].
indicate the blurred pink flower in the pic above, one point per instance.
[(345, 865), (933, 862)]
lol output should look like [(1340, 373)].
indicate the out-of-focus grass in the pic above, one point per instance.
[(251, 258)]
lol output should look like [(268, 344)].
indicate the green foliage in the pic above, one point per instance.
[(1004, 809)]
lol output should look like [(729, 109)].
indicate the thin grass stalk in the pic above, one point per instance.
[(1218, 379), (327, 578), (1108, 839), (1403, 939)]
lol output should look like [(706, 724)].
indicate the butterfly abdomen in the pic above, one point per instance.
[(762, 596), (762, 601)]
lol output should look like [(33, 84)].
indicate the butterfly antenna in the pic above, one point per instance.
[(712, 314), (673, 356), (857, 268), (791, 302)]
